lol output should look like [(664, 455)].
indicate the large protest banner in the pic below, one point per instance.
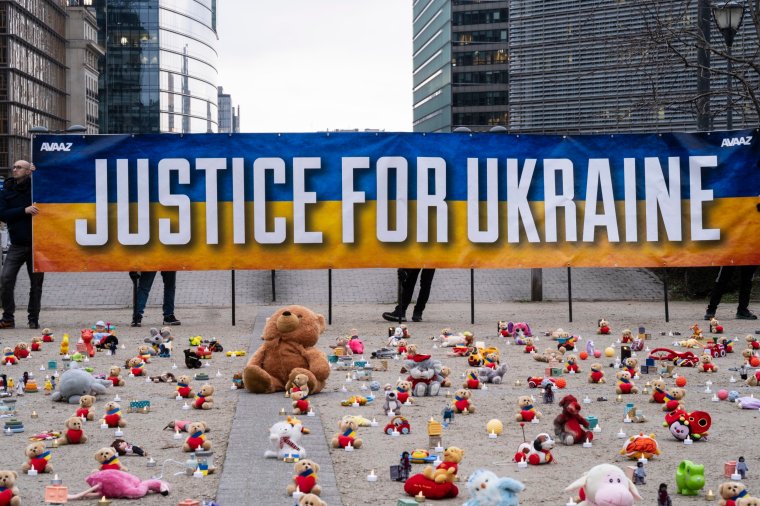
[(344, 200)]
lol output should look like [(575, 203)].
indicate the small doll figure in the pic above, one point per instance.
[(405, 466), (549, 393), (639, 474), (663, 499), (741, 467), (124, 448)]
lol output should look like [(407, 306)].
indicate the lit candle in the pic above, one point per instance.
[(117, 398), (586, 400), (56, 480), (465, 412), (297, 494), (198, 474), (118, 432), (439, 449), (32, 472), (282, 411), (587, 444), (621, 434), (177, 435), (492, 435), (395, 433), (151, 462), (349, 447), (355, 404), (34, 414), (218, 373), (185, 406), (373, 423), (311, 412), (372, 477), (571, 502), (419, 497), (104, 425), (598, 428), (174, 366), (687, 441), (104, 502)]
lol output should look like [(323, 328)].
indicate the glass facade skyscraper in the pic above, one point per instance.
[(460, 58), (159, 73), (32, 73)]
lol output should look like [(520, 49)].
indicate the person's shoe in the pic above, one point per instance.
[(416, 317), (136, 321), (745, 314), (7, 324), (709, 314), (392, 316), (170, 319), (34, 324)]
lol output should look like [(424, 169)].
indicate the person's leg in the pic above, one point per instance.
[(14, 259), (746, 273), (721, 282), (426, 281), (407, 278), (35, 292), (144, 285), (170, 285)]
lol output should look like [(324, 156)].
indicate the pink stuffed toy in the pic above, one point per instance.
[(605, 485), (115, 484)]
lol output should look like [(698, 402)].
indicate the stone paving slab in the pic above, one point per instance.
[(248, 477)]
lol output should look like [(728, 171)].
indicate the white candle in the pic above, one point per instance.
[(32, 472), (372, 476), (687, 441), (621, 434), (349, 447), (373, 423), (104, 425), (311, 412), (185, 406), (492, 435), (118, 433), (177, 435)]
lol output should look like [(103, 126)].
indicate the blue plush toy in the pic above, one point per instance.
[(487, 489)]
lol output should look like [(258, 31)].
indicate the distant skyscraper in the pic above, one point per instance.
[(82, 55), (460, 55), (32, 73), (159, 72), (229, 116)]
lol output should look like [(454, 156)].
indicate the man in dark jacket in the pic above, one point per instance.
[(17, 210)]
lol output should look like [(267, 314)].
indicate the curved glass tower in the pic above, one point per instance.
[(159, 72)]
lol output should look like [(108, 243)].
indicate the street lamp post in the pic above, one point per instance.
[(728, 17)]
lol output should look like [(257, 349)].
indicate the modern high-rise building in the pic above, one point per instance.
[(460, 59), (32, 73), (82, 55), (582, 67), (229, 116), (159, 73)]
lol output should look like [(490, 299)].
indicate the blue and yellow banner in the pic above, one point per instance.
[(347, 200)]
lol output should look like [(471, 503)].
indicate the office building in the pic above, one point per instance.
[(82, 55), (229, 116), (460, 59), (159, 73), (32, 73)]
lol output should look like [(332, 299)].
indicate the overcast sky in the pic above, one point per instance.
[(309, 65)]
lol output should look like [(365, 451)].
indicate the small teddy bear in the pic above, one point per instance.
[(752, 342), (659, 391), (462, 402), (446, 472), (136, 366), (203, 399), (631, 364), (597, 373), (184, 389), (197, 438), (391, 404), (603, 327), (299, 380), (341, 347), (626, 337), (145, 352), (311, 500), (525, 410), (192, 361), (472, 381), (347, 435), (85, 404), (625, 385), (672, 399), (299, 397), (403, 391), (305, 479), (74, 433), (730, 492), (36, 343), (445, 373), (47, 335), (21, 350), (114, 376), (571, 364), (113, 417), (9, 494), (8, 357), (39, 459), (706, 364), (108, 458), (529, 346)]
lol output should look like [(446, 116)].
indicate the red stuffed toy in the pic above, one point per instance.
[(472, 381), (21, 350), (570, 426)]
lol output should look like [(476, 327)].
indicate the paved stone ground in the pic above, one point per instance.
[(272, 476), (213, 288)]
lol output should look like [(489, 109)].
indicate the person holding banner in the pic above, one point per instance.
[(144, 284), (746, 273), (408, 278), (17, 211)]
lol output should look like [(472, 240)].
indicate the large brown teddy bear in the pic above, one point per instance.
[(288, 350)]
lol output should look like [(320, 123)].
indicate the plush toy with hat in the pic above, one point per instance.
[(85, 410), (290, 336), (305, 479), (526, 412), (108, 458), (197, 438), (113, 417), (596, 375), (424, 373), (203, 399), (8, 490), (39, 459), (605, 485)]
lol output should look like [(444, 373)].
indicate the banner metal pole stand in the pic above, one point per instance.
[(570, 293), (274, 288), (665, 295), (472, 296), (233, 296), (329, 296)]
